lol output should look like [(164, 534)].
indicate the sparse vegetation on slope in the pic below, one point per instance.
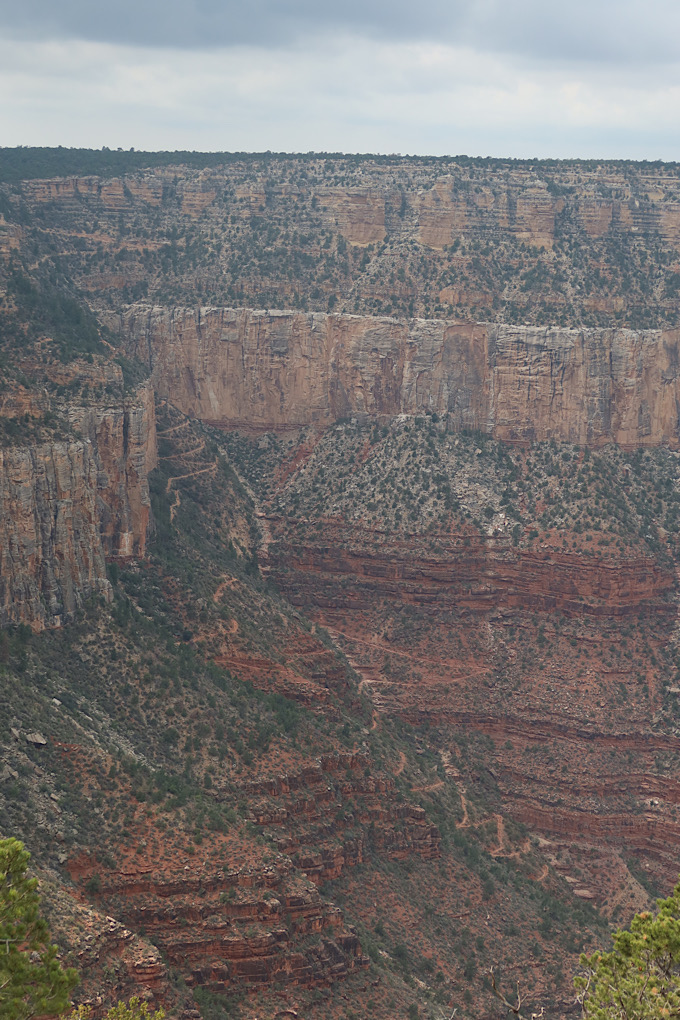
[(367, 708)]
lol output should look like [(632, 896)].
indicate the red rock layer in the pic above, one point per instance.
[(478, 575), (228, 914), (457, 640)]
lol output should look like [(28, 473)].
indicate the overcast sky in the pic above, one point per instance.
[(482, 77)]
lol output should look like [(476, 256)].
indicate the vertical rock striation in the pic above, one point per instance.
[(519, 383), (65, 506)]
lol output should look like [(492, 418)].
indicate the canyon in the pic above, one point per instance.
[(529, 640), (339, 516)]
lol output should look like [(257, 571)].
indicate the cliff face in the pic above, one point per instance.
[(65, 506), (519, 596), (246, 927), (114, 194), (254, 923), (281, 369), (429, 205), (476, 578), (124, 441)]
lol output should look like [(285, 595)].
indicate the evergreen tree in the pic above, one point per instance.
[(640, 978), (32, 981)]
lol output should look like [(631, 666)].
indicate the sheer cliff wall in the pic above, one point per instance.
[(269, 370), (66, 506)]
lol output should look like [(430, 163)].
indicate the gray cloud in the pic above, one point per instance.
[(581, 30), (349, 94), (514, 78)]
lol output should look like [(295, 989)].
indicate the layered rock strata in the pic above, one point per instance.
[(306, 816), (65, 506), (252, 923), (457, 637), (472, 577), (269, 370), (243, 927), (432, 206)]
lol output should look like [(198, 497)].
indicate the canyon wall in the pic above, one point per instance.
[(272, 369), (532, 648), (568, 244), (67, 505), (433, 205)]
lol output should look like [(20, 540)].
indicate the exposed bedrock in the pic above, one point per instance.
[(468, 578), (456, 639), (66, 506), (511, 202), (279, 369), (253, 922)]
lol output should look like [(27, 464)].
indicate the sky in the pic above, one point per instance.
[(520, 78)]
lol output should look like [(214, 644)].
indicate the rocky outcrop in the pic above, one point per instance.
[(246, 922), (233, 928), (358, 214), (432, 206), (533, 243), (114, 194), (65, 506), (572, 740), (270, 370), (132, 963), (445, 212), (307, 816)]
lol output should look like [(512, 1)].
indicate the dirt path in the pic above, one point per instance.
[(452, 772), (366, 682), (189, 474), (464, 823), (266, 535), (374, 714), (185, 453), (369, 681), (501, 850), (375, 717), (228, 582), (429, 788), (175, 506), (497, 851), (173, 428), (388, 650)]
